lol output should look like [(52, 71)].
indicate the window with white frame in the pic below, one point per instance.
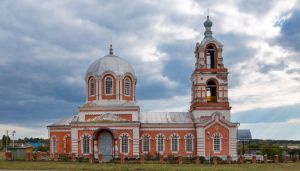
[(189, 143), (127, 87), (160, 143), (86, 144), (92, 87), (108, 86), (53, 144), (174, 143), (146, 143), (124, 143), (217, 142)]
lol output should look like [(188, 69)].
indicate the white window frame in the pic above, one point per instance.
[(65, 142), (92, 93), (52, 144), (192, 142), (112, 85), (127, 90), (90, 143), (163, 143), (172, 143), (220, 142), (143, 143), (121, 143)]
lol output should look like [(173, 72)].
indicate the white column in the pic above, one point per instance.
[(100, 88), (200, 141), (74, 138), (121, 88), (136, 141), (95, 148), (233, 142)]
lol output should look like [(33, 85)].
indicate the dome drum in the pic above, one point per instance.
[(114, 80)]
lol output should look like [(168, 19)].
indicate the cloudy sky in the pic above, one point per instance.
[(47, 46)]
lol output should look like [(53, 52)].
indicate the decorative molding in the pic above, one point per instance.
[(168, 129), (62, 130)]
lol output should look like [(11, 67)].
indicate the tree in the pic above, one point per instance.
[(4, 140)]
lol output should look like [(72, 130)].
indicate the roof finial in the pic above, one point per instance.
[(111, 50), (207, 24)]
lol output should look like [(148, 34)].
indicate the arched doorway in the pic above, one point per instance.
[(104, 142), (105, 145)]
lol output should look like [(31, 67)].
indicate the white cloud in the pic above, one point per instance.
[(22, 131), (68, 34), (275, 130), (264, 90), (173, 104)]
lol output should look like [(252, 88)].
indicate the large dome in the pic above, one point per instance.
[(111, 63)]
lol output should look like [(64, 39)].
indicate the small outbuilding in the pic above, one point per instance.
[(19, 153)]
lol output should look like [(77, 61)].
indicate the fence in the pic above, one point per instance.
[(40, 156)]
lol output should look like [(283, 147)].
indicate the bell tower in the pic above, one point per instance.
[(209, 79)]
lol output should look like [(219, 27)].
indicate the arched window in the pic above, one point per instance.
[(146, 143), (86, 144), (53, 144), (92, 87), (217, 142), (211, 91), (210, 56), (160, 143), (189, 143), (108, 86), (124, 143), (127, 87), (174, 143)]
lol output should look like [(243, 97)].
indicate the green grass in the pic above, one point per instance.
[(51, 165), (1, 155)]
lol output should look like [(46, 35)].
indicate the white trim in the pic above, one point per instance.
[(116, 128), (171, 144), (65, 142), (220, 142), (149, 139), (120, 140), (129, 91), (185, 144), (90, 143), (136, 142), (89, 82), (63, 130), (112, 85), (52, 149), (167, 129), (200, 147), (163, 147)]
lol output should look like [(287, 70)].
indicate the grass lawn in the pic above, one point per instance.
[(51, 165)]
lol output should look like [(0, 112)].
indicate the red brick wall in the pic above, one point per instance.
[(59, 141), (217, 128), (167, 141)]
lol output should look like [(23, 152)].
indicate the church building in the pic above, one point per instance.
[(110, 121)]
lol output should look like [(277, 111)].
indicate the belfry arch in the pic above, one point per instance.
[(210, 56), (211, 91)]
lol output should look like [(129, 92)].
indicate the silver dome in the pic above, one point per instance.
[(111, 63)]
